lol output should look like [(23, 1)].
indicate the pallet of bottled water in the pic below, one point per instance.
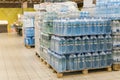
[(28, 28)]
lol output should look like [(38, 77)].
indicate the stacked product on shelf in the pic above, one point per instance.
[(108, 8), (78, 44), (28, 28)]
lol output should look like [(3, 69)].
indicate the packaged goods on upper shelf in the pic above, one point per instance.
[(59, 7)]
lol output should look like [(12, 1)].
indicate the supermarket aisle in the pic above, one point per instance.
[(20, 63)]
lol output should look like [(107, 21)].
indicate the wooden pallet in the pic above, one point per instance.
[(116, 66), (60, 74), (29, 46)]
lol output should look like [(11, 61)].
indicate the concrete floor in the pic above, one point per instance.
[(20, 63)]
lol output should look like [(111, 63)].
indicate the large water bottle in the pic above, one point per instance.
[(94, 46), (49, 56), (89, 26), (70, 45), (78, 45), (60, 31), (101, 43), (86, 26), (114, 26), (52, 47), (108, 27), (109, 58), (103, 59), (52, 59), (108, 42), (86, 46), (60, 63), (81, 61), (60, 45), (93, 26), (78, 27), (96, 61), (63, 25), (88, 61), (72, 62), (63, 45), (54, 26), (81, 27), (74, 27), (69, 27), (57, 27)]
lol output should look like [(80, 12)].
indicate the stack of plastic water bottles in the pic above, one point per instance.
[(108, 8), (79, 44), (28, 27), (116, 37)]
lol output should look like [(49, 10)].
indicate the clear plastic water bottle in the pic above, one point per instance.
[(63, 24), (52, 46), (60, 45), (86, 46), (78, 27), (73, 27), (103, 59), (109, 58), (88, 60), (93, 26), (69, 27), (82, 28), (86, 26), (70, 45), (78, 45), (108, 42), (94, 46), (101, 43), (72, 62), (60, 63), (81, 61), (108, 27), (96, 60)]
